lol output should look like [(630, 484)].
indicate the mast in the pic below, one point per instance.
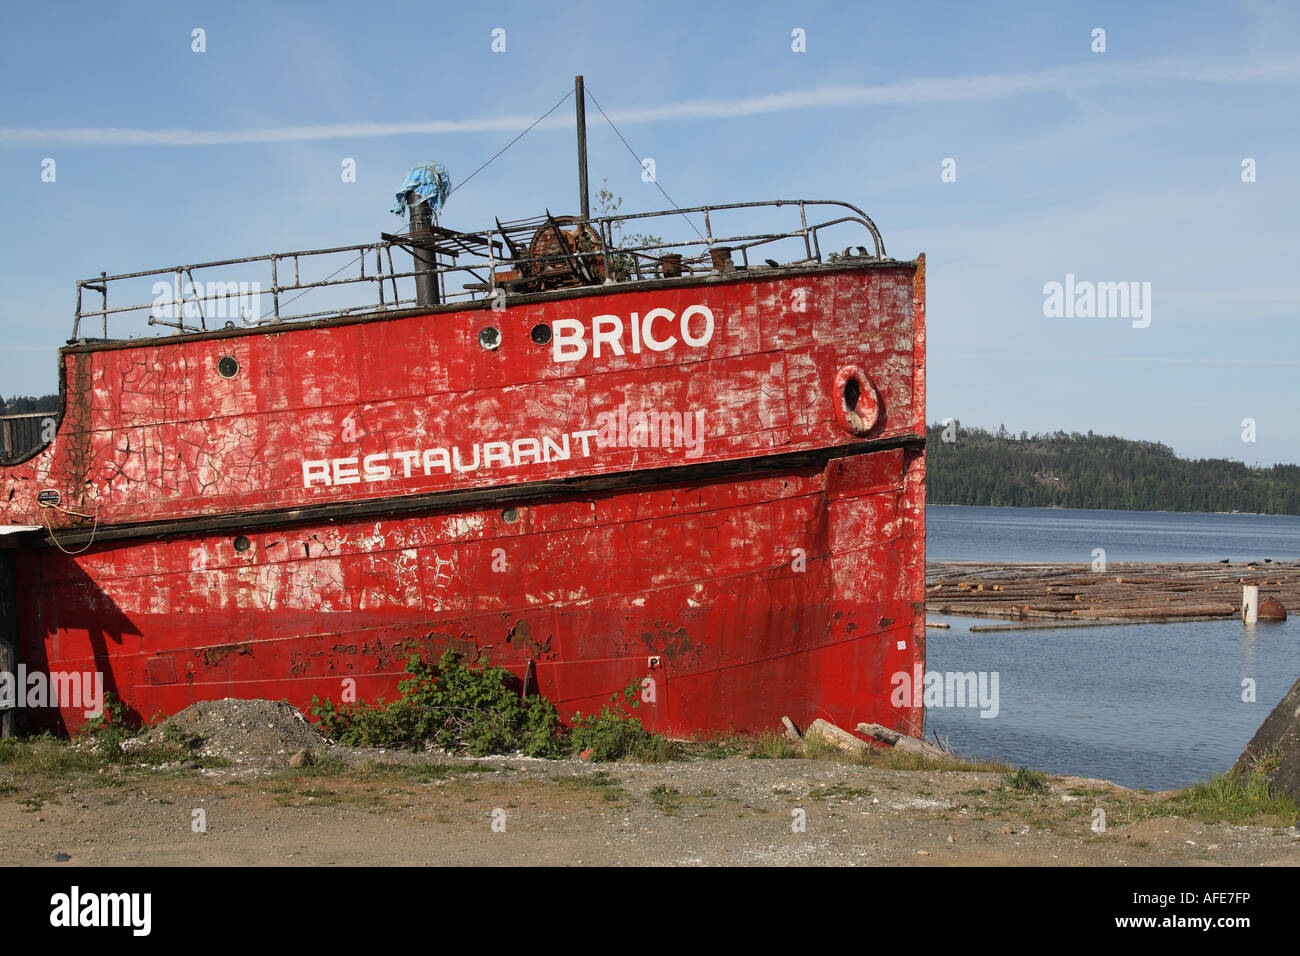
[(581, 102)]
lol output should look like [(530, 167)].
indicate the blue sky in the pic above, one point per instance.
[(1117, 166)]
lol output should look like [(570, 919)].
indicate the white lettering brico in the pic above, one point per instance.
[(612, 335)]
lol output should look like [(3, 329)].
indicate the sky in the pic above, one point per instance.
[(1013, 143)]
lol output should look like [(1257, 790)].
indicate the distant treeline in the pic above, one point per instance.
[(20, 404), (1070, 470)]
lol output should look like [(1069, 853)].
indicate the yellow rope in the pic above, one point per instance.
[(95, 527)]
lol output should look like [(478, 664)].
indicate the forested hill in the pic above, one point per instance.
[(28, 403), (1095, 471)]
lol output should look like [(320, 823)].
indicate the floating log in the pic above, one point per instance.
[(1138, 592), (1044, 625)]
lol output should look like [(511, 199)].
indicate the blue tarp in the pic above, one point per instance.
[(430, 181)]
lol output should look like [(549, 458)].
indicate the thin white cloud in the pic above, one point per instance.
[(903, 93), (110, 136), (1124, 359)]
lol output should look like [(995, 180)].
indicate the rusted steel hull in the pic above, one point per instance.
[(358, 491)]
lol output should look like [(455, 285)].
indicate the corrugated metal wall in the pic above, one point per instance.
[(20, 434)]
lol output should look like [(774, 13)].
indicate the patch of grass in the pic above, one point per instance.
[(99, 746), (1235, 798), (771, 745), (817, 748), (599, 784), (667, 800), (1024, 780), (839, 791), (658, 749), (717, 749), (291, 791), (328, 766), (765, 745), (46, 754), (291, 796), (36, 799)]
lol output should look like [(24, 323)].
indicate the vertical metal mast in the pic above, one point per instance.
[(582, 146)]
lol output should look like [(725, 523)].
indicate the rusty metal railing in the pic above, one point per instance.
[(510, 259)]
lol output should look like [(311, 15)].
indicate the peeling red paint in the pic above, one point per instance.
[(212, 656), (778, 571)]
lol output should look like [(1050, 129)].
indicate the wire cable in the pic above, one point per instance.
[(654, 179), (406, 227)]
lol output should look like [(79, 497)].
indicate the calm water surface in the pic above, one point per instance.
[(1145, 705), (956, 533)]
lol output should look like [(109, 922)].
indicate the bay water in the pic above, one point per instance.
[(1156, 706)]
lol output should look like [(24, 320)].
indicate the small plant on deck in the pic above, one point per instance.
[(623, 265)]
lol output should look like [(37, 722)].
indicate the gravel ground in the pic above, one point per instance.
[(244, 804), (242, 731)]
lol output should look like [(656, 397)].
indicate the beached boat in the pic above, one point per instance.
[(696, 460)]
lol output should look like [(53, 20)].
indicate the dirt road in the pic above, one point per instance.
[(381, 809)]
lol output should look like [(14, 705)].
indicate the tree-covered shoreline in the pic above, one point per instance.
[(23, 404), (972, 466)]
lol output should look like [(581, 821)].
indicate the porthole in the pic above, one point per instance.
[(510, 515), (242, 544), (852, 392), (227, 367), (541, 333), (490, 338), (856, 402)]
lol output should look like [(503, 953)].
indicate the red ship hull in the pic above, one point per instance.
[(362, 489)]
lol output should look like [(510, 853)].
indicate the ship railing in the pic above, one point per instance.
[(514, 258)]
